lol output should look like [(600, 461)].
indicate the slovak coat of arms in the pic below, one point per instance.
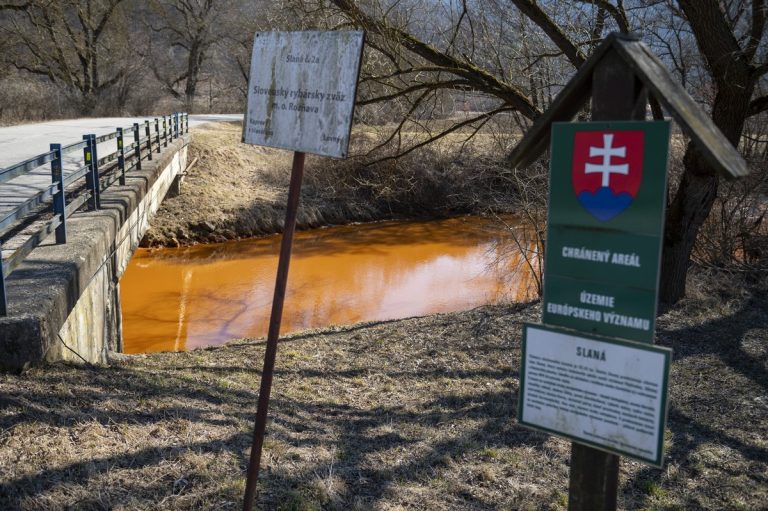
[(607, 170)]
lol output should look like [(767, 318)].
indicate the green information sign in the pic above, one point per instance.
[(606, 219)]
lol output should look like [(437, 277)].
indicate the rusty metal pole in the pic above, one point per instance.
[(617, 95), (294, 190)]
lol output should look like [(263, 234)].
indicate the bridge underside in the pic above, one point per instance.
[(64, 300)]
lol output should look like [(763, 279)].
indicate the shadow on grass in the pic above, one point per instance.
[(387, 431), (724, 338), (189, 386), (718, 410)]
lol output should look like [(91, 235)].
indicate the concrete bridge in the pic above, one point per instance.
[(62, 299)]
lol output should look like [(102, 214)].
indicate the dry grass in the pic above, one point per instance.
[(229, 178), (239, 190), (411, 414)]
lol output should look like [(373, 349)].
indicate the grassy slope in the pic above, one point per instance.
[(239, 190), (411, 414)]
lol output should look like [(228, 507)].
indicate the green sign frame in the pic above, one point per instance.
[(601, 274)]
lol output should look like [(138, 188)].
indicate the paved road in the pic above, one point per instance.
[(21, 142)]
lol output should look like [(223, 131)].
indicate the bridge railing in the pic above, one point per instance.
[(71, 189)]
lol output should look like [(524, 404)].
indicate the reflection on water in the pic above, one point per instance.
[(175, 299)]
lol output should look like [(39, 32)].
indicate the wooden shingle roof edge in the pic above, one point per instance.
[(708, 139)]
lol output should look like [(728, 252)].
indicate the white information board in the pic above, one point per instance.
[(301, 91), (605, 393)]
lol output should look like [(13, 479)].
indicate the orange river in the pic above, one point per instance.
[(176, 299)]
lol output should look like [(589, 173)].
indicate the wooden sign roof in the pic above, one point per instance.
[(709, 140)]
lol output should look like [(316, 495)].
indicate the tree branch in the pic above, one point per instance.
[(759, 70), (758, 105), (15, 7), (480, 79), (617, 13), (105, 18), (483, 117), (553, 31), (715, 39), (450, 84), (757, 28)]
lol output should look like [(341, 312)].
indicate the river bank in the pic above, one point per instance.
[(239, 191), (409, 414)]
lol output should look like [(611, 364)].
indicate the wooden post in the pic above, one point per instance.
[(617, 95), (294, 190)]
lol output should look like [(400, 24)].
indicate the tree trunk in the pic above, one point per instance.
[(698, 190), (688, 211), (194, 63)]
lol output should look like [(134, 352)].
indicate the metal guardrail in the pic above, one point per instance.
[(67, 194)]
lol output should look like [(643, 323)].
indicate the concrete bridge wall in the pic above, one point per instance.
[(64, 300)]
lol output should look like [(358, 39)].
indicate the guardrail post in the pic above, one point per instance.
[(157, 133), (137, 140), (165, 133), (121, 155), (59, 199), (3, 296), (91, 180), (149, 140), (176, 123), (96, 176)]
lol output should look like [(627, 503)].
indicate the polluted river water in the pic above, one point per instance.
[(183, 298)]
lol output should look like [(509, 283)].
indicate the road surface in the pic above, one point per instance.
[(21, 142)]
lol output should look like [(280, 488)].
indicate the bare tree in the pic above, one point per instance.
[(729, 39), (73, 43), (187, 30), (90, 47), (242, 22), (719, 51)]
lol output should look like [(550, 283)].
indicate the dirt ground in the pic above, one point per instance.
[(410, 414)]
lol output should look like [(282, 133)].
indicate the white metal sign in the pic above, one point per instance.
[(301, 91), (606, 393)]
